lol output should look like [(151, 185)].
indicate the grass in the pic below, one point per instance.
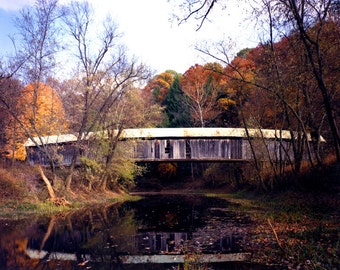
[(317, 247), (14, 209)]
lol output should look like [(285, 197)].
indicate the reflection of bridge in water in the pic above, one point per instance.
[(143, 259), (181, 144), (157, 247)]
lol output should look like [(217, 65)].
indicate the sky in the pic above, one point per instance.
[(150, 35)]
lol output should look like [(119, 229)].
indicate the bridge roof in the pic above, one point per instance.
[(51, 139), (163, 133), (202, 133)]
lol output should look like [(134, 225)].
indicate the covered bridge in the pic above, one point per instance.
[(182, 144)]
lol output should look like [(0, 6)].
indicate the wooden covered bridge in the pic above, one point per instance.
[(180, 144)]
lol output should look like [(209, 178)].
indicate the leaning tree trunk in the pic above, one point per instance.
[(48, 184), (103, 182), (59, 201)]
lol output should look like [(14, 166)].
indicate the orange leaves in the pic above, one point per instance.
[(240, 72), (39, 112), (159, 86), (203, 85), (225, 103)]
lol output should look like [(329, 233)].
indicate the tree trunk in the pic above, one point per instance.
[(103, 182), (316, 62), (68, 180), (58, 201), (48, 184)]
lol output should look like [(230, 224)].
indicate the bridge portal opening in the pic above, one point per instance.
[(187, 149), (157, 149)]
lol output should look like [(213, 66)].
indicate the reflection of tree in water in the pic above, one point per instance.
[(83, 233), (90, 232), (14, 240), (158, 225)]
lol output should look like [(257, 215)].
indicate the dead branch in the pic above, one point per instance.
[(275, 234)]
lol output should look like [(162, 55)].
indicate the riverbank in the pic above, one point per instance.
[(286, 231), (294, 229), (23, 193)]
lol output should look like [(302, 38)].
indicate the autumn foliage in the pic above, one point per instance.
[(202, 86), (289, 81), (159, 86), (39, 112)]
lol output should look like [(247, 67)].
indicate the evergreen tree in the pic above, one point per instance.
[(176, 109)]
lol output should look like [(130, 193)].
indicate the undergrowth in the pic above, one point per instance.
[(23, 193)]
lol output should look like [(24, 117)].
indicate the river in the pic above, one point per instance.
[(155, 232)]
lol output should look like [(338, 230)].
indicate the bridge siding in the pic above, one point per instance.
[(171, 144), (181, 149), (211, 149)]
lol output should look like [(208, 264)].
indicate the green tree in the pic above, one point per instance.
[(159, 86), (175, 106)]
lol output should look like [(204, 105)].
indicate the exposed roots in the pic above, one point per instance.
[(59, 201)]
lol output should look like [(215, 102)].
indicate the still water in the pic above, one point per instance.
[(156, 232)]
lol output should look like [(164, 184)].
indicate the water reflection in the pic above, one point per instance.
[(108, 236)]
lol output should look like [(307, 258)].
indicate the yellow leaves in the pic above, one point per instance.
[(224, 103), (160, 85), (165, 79), (39, 112), (20, 152), (216, 67)]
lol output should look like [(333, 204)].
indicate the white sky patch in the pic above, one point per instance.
[(165, 45), (13, 5), (151, 37)]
